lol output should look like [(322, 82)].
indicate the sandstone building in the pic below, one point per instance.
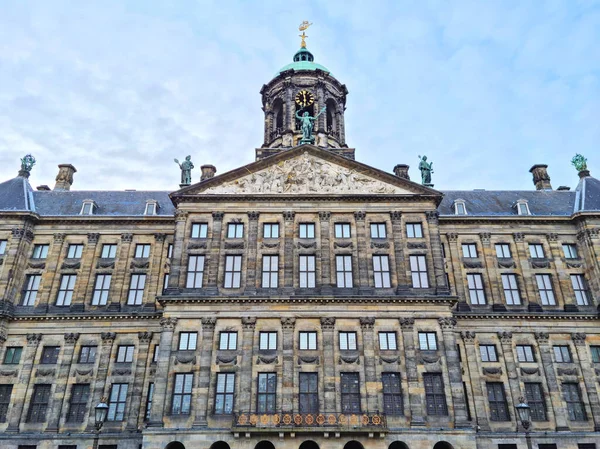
[(305, 300)]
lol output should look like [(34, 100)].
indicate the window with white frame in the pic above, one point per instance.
[(142, 251), (116, 402), (151, 207), (165, 282), (74, 251), (544, 283), (387, 341), (308, 340), (271, 230), (381, 271), (267, 341), (228, 341), (580, 289), (101, 289), (235, 230), (109, 251), (414, 230), (170, 251), (270, 271), (306, 231), (343, 268), (195, 272), (125, 353), (307, 271), (488, 353), (347, 341), (570, 251), (536, 251), (378, 231), (427, 341), (503, 251), (88, 208), (40, 251), (187, 341), (476, 290), (233, 271), (32, 285), (469, 250), (199, 230), (136, 289), (3, 244), (342, 230), (65, 291), (460, 208), (522, 207), (418, 271), (225, 389), (562, 354), (182, 394), (525, 353), (511, 289)]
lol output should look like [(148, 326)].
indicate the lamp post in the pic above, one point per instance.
[(524, 412), (100, 416)]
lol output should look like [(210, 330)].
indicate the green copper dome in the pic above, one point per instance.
[(303, 60)]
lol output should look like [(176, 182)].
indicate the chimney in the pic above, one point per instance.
[(64, 179), (401, 171), (208, 171), (540, 177)]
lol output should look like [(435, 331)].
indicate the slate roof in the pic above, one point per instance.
[(588, 194), (16, 195)]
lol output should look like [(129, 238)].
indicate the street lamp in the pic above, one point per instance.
[(524, 412), (100, 416)]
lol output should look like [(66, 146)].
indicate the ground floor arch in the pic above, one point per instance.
[(264, 445), (175, 445), (443, 445), (398, 445), (353, 444), (309, 444), (220, 445)]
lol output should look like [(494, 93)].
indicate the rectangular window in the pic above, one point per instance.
[(80, 394), (101, 289), (343, 268), (195, 272), (224, 393), (307, 272), (570, 251), (155, 353), (536, 250), (308, 397), (497, 402), (199, 230), (40, 251), (235, 230), (170, 251), (427, 341), (267, 341), (3, 244), (306, 231), (165, 282), (586, 446), (187, 341), (476, 291), (469, 250), (387, 341), (271, 230), (547, 446), (74, 251), (378, 231), (5, 392), (350, 392), (580, 289), (575, 406), (270, 271), (544, 283), (136, 289), (182, 394), (392, 394), (418, 271), (381, 271), (525, 353), (142, 251), (233, 271), (414, 230), (503, 251), (116, 402), (595, 354), (562, 354), (125, 353), (50, 355), (535, 399), (32, 285), (267, 393), (109, 251), (65, 291), (511, 289), (39, 403), (308, 341), (342, 230), (13, 355), (347, 341), (149, 401), (488, 353), (435, 396), (87, 354), (228, 341)]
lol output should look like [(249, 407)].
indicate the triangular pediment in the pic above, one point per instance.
[(306, 170)]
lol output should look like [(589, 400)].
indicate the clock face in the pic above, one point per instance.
[(304, 98)]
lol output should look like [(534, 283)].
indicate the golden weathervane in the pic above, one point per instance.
[(303, 26)]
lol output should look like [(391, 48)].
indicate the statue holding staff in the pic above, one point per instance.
[(426, 171), (307, 125), (186, 170)]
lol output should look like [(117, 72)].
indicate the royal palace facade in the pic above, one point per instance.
[(305, 300)]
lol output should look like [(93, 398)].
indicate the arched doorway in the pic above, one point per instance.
[(175, 445), (443, 445), (220, 445), (264, 445), (309, 444), (353, 445), (398, 445)]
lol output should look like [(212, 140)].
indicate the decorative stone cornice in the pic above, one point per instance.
[(367, 322), (406, 323), (447, 323), (160, 237), (505, 337), (485, 238), (127, 238), (452, 236), (519, 236), (108, 337), (380, 245), (93, 237), (218, 216), (71, 338), (289, 215), (468, 336), (324, 215), (145, 337), (253, 215), (248, 322), (33, 339), (181, 215), (542, 337), (396, 215), (360, 215), (432, 216), (578, 338), (288, 323), (58, 237), (327, 323), (168, 323), (552, 237), (208, 323)]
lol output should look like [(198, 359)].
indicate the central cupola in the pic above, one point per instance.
[(298, 88)]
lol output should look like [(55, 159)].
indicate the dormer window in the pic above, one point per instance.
[(459, 207), (522, 207), (88, 207), (151, 207)]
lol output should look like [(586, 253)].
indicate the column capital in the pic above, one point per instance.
[(58, 237), (578, 338), (127, 238), (468, 336), (218, 216), (289, 215), (253, 215), (447, 323), (208, 323), (519, 236), (432, 216), (485, 238), (71, 338), (396, 215), (22, 233), (542, 337), (327, 323), (288, 323), (181, 215), (552, 237), (406, 323), (248, 322), (505, 337), (145, 337), (168, 323), (93, 237), (452, 236), (33, 339), (3, 338), (160, 237), (367, 323), (360, 215), (324, 215), (108, 337)]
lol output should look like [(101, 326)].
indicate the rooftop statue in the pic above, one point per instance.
[(307, 126), (426, 171), (27, 162), (186, 170), (579, 162)]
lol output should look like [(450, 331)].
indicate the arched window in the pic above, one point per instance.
[(264, 445), (175, 445), (522, 207), (88, 208), (219, 445), (398, 445), (309, 444), (331, 115), (278, 114), (443, 445), (460, 208)]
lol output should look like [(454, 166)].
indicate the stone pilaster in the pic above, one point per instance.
[(361, 253), (137, 391), (511, 366), (58, 398), (448, 326), (83, 290), (415, 391), (493, 278), (324, 255), (401, 263), (288, 325), (245, 374), (120, 278), (253, 265), (588, 376), (528, 278), (329, 381), (176, 279), (215, 252), (108, 338), (371, 384), (479, 396), (455, 256), (206, 348), (288, 249), (159, 398), (17, 412), (154, 280), (17, 251), (591, 256), (441, 286), (51, 273), (556, 399)]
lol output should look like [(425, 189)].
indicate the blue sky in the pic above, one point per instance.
[(119, 88)]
